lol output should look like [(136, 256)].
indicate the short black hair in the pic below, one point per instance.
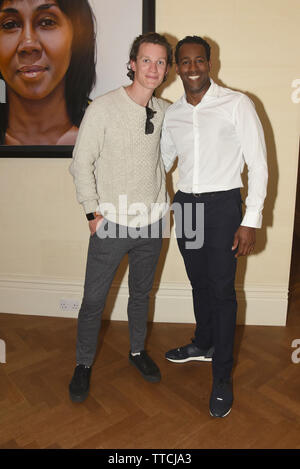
[(152, 38), (192, 40)]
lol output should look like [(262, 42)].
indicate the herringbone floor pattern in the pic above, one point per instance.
[(123, 411)]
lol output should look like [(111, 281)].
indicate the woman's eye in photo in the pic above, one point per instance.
[(10, 24), (47, 22)]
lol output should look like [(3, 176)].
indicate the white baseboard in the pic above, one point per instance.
[(170, 302)]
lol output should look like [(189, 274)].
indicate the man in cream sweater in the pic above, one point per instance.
[(120, 183)]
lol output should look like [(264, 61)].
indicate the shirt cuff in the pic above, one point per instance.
[(252, 219)]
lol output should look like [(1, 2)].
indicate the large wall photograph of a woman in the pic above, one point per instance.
[(55, 57)]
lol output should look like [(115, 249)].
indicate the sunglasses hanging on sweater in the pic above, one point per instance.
[(149, 127)]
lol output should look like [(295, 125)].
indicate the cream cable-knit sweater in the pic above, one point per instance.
[(115, 164)]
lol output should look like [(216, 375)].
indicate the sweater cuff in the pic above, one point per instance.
[(90, 206)]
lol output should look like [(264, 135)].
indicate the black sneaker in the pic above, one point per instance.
[(146, 366), (80, 383), (221, 398), (188, 353)]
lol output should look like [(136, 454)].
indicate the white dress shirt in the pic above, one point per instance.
[(213, 141)]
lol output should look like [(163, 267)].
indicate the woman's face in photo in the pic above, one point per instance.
[(35, 46)]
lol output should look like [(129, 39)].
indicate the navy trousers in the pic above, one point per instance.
[(211, 269)]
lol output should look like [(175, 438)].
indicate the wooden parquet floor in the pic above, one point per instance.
[(123, 411)]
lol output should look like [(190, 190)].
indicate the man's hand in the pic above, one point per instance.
[(94, 224), (244, 240)]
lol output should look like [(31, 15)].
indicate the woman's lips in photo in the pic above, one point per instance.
[(32, 71)]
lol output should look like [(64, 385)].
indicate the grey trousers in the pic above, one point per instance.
[(104, 257)]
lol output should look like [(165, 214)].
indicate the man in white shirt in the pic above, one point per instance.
[(214, 131)]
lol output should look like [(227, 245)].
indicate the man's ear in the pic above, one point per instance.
[(133, 65), (176, 68)]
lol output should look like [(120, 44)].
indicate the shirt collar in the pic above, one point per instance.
[(213, 91)]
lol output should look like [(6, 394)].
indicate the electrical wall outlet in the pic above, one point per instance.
[(69, 304)]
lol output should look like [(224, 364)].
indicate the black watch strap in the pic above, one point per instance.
[(90, 216)]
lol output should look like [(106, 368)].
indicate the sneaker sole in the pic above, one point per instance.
[(75, 398), (220, 416), (151, 379), (189, 359)]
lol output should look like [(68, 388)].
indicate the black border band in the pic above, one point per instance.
[(148, 16)]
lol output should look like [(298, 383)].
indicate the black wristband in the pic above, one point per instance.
[(90, 216)]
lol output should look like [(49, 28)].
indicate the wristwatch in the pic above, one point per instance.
[(91, 216)]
